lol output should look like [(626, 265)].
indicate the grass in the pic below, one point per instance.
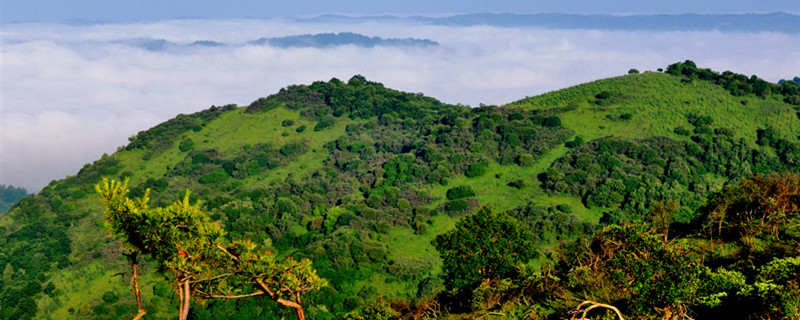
[(81, 287), (492, 188), (660, 102), (404, 243)]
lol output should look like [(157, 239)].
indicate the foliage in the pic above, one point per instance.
[(485, 245), (630, 174), (631, 264), (737, 84), (9, 195), (185, 242), (460, 192), (758, 210), (162, 135)]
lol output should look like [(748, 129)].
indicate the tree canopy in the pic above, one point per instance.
[(199, 260), (485, 245)]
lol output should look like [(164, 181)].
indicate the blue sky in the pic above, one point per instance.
[(148, 10)]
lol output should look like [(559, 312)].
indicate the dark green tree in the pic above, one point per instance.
[(487, 245)]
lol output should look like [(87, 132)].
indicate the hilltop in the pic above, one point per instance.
[(361, 179)]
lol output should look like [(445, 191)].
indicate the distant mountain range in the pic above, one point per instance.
[(324, 40), (321, 40), (769, 22)]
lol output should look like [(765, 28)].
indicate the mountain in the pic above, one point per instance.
[(9, 195), (768, 22), (324, 40), (360, 179)]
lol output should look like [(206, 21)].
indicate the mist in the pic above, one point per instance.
[(73, 92)]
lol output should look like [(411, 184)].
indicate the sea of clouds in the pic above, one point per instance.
[(73, 92)]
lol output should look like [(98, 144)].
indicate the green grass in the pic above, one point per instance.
[(404, 243), (81, 287), (492, 188), (659, 103)]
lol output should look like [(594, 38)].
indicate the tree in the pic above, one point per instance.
[(633, 266), (761, 213), (199, 260), (487, 245)]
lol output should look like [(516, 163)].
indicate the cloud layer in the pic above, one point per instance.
[(72, 93)]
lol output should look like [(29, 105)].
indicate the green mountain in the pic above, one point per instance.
[(361, 179), (9, 195)]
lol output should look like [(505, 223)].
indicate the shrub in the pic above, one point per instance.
[(325, 122), (186, 145), (475, 169), (525, 160), (460, 192), (214, 176), (456, 205), (552, 122)]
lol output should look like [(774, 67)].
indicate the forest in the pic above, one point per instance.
[(654, 195), (9, 195)]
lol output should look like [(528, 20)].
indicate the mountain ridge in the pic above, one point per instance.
[(360, 178), (754, 22)]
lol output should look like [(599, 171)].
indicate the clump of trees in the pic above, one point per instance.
[(164, 135), (737, 84), (9, 195), (628, 175)]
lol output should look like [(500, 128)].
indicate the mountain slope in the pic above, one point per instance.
[(360, 178)]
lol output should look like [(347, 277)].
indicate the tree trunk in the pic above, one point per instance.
[(135, 285), (288, 303), (299, 309), (186, 298), (180, 299)]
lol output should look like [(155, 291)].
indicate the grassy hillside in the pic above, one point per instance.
[(660, 102), (360, 179)]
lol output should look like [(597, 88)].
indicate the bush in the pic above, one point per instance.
[(552, 122), (475, 169), (525, 160), (565, 208), (216, 175), (186, 145), (680, 130), (456, 205), (287, 123), (460, 192), (325, 122), (603, 95), (518, 184), (110, 296)]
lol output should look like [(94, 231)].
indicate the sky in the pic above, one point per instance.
[(71, 92), (140, 10)]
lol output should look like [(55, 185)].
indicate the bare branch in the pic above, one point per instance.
[(591, 305)]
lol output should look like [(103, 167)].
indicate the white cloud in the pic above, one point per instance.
[(72, 93)]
